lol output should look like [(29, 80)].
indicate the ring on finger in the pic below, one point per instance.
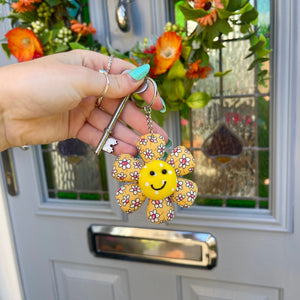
[(98, 103), (155, 92), (105, 73)]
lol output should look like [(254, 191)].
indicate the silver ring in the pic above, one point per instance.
[(109, 64), (155, 92), (143, 87), (98, 103)]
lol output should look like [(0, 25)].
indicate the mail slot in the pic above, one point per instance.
[(194, 249)]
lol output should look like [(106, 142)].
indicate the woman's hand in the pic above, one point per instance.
[(53, 98)]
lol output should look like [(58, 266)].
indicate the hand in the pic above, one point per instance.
[(53, 98)]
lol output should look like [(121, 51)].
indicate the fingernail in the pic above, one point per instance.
[(169, 143), (163, 110), (140, 72)]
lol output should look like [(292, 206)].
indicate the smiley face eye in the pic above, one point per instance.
[(164, 171), (152, 173)]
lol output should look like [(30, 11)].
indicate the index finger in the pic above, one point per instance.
[(97, 61)]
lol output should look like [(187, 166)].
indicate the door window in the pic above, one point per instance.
[(229, 138)]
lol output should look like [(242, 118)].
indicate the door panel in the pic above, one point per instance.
[(76, 282), (257, 252)]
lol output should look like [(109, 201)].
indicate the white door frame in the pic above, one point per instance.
[(10, 281)]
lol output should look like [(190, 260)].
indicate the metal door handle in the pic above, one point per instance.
[(122, 15)]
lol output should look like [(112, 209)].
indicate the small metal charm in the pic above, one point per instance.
[(109, 145)]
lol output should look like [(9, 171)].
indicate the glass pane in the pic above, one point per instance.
[(73, 171), (238, 115), (239, 80)]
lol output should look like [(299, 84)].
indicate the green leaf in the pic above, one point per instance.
[(27, 17), (257, 46), (191, 13), (244, 29), (6, 49), (225, 3), (221, 74), (175, 105), (245, 8), (257, 61), (262, 73), (223, 13), (202, 55), (198, 100), (62, 48), (53, 2), (74, 45), (234, 5), (168, 92), (176, 71), (223, 26), (185, 52), (44, 37), (249, 16), (179, 88)]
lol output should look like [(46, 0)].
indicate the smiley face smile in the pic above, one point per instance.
[(160, 187), (158, 180)]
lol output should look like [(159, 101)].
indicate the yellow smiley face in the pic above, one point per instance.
[(157, 180)]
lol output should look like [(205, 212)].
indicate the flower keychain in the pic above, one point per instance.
[(155, 178)]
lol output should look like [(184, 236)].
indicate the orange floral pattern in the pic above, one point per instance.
[(24, 44), (195, 71), (209, 6), (24, 5), (82, 29), (168, 50)]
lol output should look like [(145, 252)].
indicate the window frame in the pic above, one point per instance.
[(279, 216)]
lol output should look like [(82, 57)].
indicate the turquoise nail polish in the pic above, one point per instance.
[(163, 110), (169, 143), (140, 72)]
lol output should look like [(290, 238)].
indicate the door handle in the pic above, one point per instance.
[(193, 249), (122, 15), (9, 172)]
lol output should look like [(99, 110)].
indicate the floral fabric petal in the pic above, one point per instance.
[(186, 192), (181, 160), (160, 211), (126, 168), (130, 197), (151, 147)]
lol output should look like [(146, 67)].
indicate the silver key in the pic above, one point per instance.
[(104, 144)]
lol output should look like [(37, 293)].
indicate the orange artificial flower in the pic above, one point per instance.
[(168, 50), (24, 44), (211, 7), (82, 29), (24, 5), (195, 70)]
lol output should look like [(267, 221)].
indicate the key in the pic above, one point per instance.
[(106, 142)]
